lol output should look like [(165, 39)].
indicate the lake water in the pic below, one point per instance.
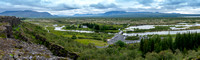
[(185, 26), (143, 27), (140, 27), (162, 32)]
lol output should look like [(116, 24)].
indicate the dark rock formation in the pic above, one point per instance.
[(12, 49), (6, 23), (56, 49), (13, 21)]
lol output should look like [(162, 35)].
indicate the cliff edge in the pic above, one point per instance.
[(18, 49)]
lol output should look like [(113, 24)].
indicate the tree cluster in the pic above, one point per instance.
[(185, 41), (100, 27)]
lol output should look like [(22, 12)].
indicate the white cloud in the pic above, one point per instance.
[(71, 7)]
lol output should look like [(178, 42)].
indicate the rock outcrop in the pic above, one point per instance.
[(12, 20), (6, 24), (13, 49), (29, 30), (21, 49), (56, 49)]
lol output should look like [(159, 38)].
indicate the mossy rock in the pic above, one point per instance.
[(2, 35)]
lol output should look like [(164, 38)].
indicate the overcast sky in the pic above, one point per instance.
[(71, 7)]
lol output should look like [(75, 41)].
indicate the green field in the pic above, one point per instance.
[(195, 27), (100, 37), (95, 42)]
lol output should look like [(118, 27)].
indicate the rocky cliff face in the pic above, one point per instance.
[(14, 49), (6, 24), (13, 21), (35, 34)]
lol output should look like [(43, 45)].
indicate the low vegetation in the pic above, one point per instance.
[(57, 44), (180, 27), (89, 41), (76, 27), (182, 42), (156, 47), (132, 38), (194, 27), (104, 28), (157, 28)]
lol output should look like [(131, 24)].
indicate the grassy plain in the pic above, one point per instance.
[(89, 41)]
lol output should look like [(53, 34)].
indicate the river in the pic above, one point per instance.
[(161, 32), (57, 28), (131, 28)]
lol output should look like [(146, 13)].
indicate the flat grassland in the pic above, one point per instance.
[(95, 42)]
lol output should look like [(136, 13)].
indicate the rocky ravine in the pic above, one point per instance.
[(14, 49)]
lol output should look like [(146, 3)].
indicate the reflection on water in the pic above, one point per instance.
[(161, 32), (185, 26), (81, 31), (140, 27)]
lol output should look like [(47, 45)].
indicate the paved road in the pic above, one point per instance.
[(116, 38), (121, 37)]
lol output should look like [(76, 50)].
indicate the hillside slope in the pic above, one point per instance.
[(16, 49), (27, 14), (123, 14), (17, 44)]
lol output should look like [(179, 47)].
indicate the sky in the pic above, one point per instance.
[(71, 7)]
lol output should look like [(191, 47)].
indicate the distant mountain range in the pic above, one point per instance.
[(27, 14), (135, 14), (120, 14)]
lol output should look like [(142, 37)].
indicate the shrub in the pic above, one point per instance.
[(74, 37), (120, 43)]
